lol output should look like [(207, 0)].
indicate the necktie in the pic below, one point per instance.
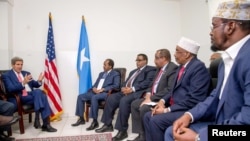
[(129, 83), (104, 75), (156, 80), (181, 73), (24, 92)]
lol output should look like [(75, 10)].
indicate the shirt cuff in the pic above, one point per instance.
[(163, 101), (192, 118), (133, 89), (169, 110)]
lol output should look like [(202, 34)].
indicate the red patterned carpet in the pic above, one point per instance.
[(93, 137)]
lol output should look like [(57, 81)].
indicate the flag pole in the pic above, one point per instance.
[(57, 118), (54, 97)]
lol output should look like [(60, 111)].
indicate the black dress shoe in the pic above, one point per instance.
[(48, 128), (140, 137), (105, 128), (37, 123), (120, 136), (78, 122), (93, 126)]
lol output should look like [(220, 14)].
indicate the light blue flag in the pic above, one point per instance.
[(83, 61)]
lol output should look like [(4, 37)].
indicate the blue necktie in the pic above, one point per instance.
[(104, 75)]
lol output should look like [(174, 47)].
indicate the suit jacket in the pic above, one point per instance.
[(192, 87), (112, 81), (234, 105), (165, 83), (13, 85), (142, 81)]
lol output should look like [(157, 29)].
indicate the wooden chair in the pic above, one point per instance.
[(21, 108), (122, 72)]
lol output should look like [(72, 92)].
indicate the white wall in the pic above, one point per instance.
[(195, 25), (117, 29)]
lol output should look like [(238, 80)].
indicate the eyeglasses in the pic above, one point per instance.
[(212, 27)]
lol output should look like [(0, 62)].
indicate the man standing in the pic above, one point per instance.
[(107, 80), (191, 85), (138, 80), (161, 85), (228, 103), (21, 82)]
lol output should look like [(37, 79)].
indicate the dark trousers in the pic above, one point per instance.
[(156, 125), (138, 113), (124, 112), (113, 102), (197, 127), (6, 109), (40, 101), (82, 98)]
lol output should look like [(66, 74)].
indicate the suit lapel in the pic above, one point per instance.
[(14, 77), (183, 75), (218, 87)]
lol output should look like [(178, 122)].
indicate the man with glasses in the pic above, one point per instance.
[(138, 80), (191, 85), (228, 103), (162, 84)]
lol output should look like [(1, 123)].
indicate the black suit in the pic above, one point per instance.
[(140, 83), (164, 86)]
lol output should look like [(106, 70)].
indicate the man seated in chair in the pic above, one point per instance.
[(191, 86), (21, 82), (162, 84), (6, 119), (138, 81), (107, 80)]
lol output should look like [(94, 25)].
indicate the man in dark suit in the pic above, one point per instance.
[(18, 81), (191, 85), (6, 119), (138, 80), (161, 85), (107, 80), (228, 103)]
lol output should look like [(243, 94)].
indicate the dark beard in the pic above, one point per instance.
[(214, 48)]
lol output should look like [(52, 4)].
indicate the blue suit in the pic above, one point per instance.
[(36, 96), (112, 81), (140, 83), (192, 88), (233, 107)]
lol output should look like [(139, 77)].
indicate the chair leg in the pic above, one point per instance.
[(21, 126), (9, 132), (86, 112)]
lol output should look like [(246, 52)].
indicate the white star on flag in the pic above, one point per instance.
[(83, 58)]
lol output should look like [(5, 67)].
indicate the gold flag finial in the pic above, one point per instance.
[(50, 16), (83, 18)]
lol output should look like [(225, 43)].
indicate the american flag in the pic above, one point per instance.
[(51, 81)]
